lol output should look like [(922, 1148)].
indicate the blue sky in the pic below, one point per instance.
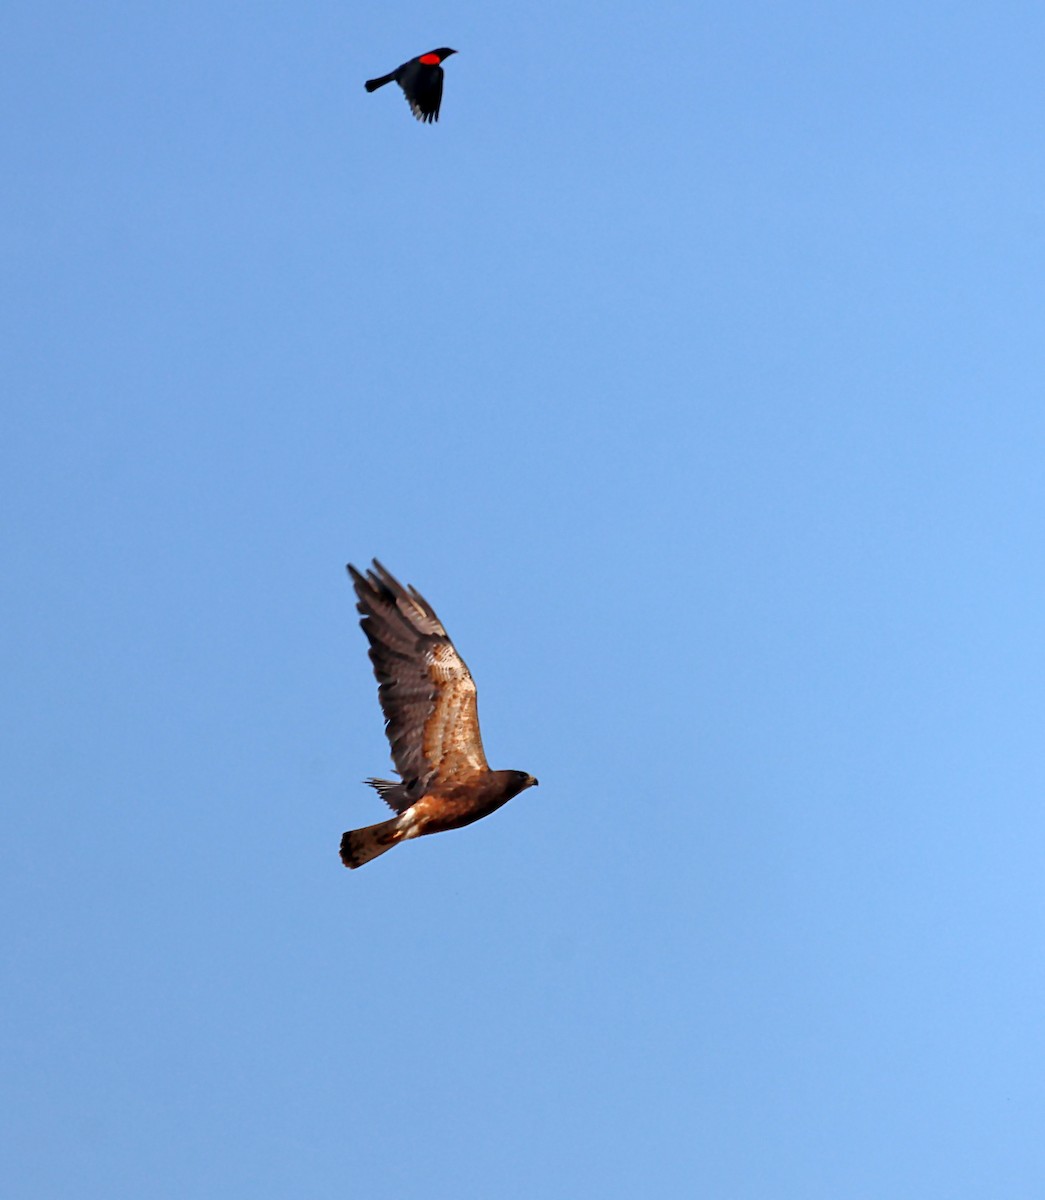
[(692, 366)]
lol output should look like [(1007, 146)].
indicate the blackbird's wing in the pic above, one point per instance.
[(423, 87)]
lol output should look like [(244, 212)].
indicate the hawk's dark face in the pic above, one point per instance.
[(521, 781)]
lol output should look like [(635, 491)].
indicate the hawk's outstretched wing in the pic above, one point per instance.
[(427, 693)]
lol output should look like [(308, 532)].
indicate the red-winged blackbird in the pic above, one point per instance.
[(422, 82)]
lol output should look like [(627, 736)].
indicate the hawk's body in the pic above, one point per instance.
[(428, 697)]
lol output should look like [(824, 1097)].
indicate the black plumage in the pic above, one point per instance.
[(422, 82)]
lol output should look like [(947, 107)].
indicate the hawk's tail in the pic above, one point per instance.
[(359, 846)]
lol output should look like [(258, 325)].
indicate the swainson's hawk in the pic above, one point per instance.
[(428, 697)]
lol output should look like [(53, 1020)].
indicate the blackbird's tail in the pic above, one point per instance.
[(359, 846), (372, 85)]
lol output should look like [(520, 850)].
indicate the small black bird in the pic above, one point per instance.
[(422, 82)]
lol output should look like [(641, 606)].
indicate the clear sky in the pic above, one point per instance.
[(693, 367)]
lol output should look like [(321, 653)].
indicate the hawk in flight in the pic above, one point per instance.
[(428, 697)]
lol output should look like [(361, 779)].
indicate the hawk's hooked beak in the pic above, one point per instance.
[(534, 782)]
